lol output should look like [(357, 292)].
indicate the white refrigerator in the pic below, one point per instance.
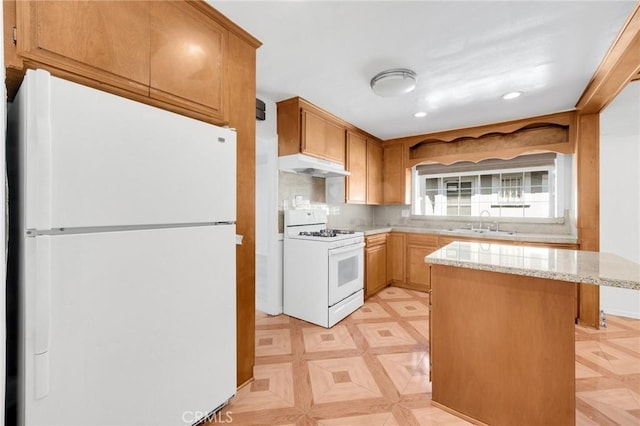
[(126, 259)]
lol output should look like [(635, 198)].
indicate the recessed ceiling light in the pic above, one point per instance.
[(511, 95), (420, 114)]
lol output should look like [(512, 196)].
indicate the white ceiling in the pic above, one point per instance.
[(466, 54)]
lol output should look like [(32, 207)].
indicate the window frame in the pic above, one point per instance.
[(559, 181)]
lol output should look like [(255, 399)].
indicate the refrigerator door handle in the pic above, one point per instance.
[(42, 292), (41, 369)]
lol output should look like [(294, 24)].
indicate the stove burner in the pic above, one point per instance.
[(326, 233)]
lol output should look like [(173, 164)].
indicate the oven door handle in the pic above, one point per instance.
[(345, 249)]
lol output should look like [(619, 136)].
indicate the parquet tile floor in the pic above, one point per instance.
[(372, 369)]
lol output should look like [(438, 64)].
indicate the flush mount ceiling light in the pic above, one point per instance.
[(420, 114), (394, 82), (511, 95)]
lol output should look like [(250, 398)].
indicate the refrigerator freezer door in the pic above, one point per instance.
[(96, 159), (140, 327)]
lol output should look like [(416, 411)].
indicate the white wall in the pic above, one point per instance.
[(620, 192), (268, 248)]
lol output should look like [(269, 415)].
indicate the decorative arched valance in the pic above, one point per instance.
[(550, 133)]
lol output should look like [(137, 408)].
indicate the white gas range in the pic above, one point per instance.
[(323, 269)]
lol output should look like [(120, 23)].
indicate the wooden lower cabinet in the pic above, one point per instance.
[(396, 243), (375, 262), (406, 253), (419, 246), (502, 347)]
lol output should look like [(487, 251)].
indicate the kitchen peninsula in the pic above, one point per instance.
[(502, 328)]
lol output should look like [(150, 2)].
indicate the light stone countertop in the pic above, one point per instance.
[(373, 229), (542, 238), (557, 264)]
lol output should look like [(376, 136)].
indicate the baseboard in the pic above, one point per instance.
[(409, 286), (458, 414), (620, 313), (244, 384)]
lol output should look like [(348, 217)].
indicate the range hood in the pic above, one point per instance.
[(307, 165)]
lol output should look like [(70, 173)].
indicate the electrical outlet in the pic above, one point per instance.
[(405, 213)]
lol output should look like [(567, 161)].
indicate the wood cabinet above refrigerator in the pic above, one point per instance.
[(173, 55)]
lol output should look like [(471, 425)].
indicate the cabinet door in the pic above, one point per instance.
[(313, 138), (106, 41), (188, 58), (376, 269), (356, 183), (335, 145), (396, 178), (418, 246), (322, 138), (417, 270), (395, 257), (374, 172)]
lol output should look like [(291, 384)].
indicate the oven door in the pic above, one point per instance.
[(346, 271)]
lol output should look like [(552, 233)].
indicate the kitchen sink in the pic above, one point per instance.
[(479, 231)]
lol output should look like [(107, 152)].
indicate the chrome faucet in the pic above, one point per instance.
[(482, 215)]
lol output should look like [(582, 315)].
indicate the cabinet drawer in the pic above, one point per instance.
[(374, 240), (427, 240)]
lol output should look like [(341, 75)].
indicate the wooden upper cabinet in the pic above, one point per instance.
[(335, 141), (305, 128), (313, 140), (322, 138), (364, 162), (170, 54), (396, 182), (106, 41), (188, 58), (356, 183), (374, 172)]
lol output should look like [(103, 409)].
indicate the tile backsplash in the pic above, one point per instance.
[(327, 193), (292, 185), (312, 190)]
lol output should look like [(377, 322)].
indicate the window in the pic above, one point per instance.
[(458, 196), (530, 186)]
